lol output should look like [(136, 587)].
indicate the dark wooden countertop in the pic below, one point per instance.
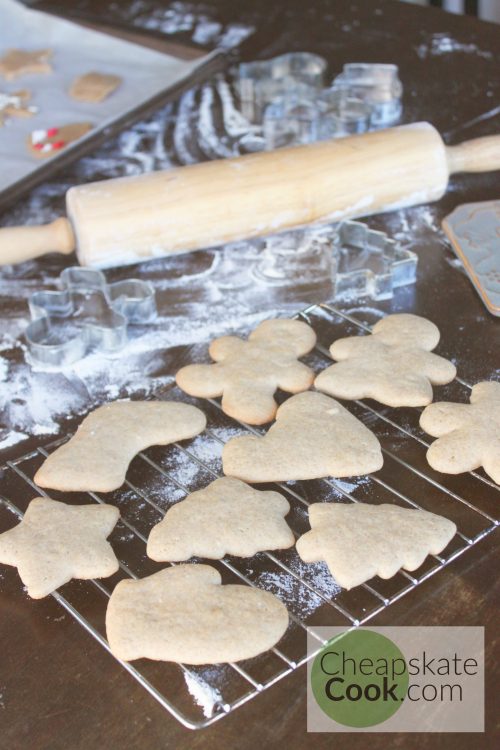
[(58, 688)]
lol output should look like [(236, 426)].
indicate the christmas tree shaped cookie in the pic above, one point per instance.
[(394, 365), (360, 541), (314, 436), (247, 373), (226, 518), (468, 434)]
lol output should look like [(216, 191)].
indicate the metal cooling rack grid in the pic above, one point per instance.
[(162, 475)]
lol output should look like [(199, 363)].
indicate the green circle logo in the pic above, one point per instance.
[(360, 678)]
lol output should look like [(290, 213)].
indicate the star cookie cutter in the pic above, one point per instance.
[(87, 313), (369, 262)]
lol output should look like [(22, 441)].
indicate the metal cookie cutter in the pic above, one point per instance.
[(262, 82), (377, 85), (88, 313), (369, 262)]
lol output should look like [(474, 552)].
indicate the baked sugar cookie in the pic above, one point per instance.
[(15, 105), (393, 365), (19, 62), (97, 456), (183, 614), (94, 87), (314, 436), (359, 541), (56, 542), (45, 142), (468, 434), (226, 518), (247, 373)]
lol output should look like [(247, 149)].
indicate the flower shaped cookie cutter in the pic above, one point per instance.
[(87, 313)]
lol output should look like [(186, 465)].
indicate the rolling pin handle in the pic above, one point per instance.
[(18, 244), (478, 155)]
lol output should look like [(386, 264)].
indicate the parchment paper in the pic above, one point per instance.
[(76, 51)]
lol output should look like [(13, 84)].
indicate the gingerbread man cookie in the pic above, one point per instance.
[(247, 373), (394, 365), (18, 62), (94, 87), (46, 142), (468, 434)]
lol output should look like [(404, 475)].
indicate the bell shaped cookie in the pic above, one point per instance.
[(247, 373), (183, 614), (468, 434), (313, 437), (393, 365), (226, 518), (97, 456), (358, 541), (56, 542)]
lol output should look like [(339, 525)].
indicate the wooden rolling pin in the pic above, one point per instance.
[(125, 220)]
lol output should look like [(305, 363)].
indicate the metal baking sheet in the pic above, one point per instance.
[(149, 77)]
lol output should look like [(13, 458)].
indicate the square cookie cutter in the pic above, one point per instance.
[(87, 313)]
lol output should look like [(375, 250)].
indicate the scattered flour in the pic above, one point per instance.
[(205, 696), (442, 44)]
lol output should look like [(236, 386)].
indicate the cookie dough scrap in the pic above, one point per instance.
[(56, 542), (18, 62), (393, 365), (313, 437), (226, 518), (183, 614), (97, 456), (46, 142), (468, 434), (15, 105), (247, 373), (360, 541), (94, 87)]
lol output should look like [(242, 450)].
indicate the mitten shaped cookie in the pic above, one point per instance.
[(360, 541), (393, 365), (313, 437), (184, 614), (468, 434), (247, 373)]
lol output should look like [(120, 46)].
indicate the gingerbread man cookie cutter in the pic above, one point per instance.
[(87, 313)]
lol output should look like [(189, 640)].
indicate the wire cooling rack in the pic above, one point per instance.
[(161, 476)]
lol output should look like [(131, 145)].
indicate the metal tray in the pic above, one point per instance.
[(162, 474)]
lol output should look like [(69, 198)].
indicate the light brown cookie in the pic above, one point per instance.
[(56, 542), (15, 105), (19, 62), (226, 518), (358, 541), (393, 365), (94, 87), (313, 437), (46, 142), (247, 373), (468, 434), (97, 456), (183, 614)]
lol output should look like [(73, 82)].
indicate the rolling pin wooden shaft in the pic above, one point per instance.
[(125, 220)]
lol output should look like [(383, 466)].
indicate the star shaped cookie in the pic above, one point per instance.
[(56, 542)]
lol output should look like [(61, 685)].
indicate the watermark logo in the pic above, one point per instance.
[(396, 679)]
